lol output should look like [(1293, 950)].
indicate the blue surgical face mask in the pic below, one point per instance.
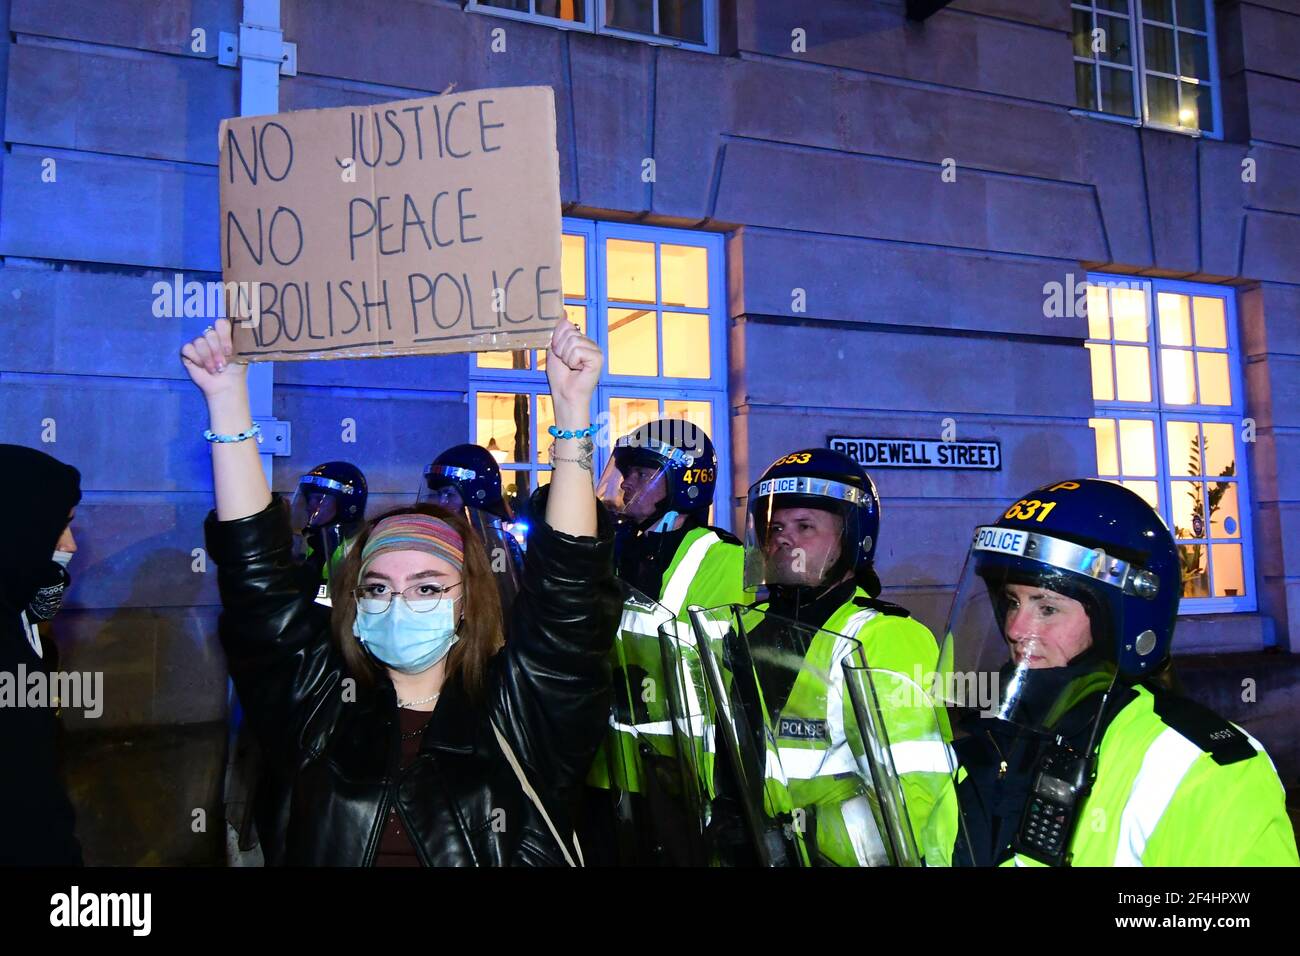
[(404, 640)]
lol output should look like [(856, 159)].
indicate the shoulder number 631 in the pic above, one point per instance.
[(1027, 509)]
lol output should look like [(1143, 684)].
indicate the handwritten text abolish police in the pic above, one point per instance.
[(418, 211)]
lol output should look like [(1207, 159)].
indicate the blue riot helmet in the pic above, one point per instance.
[(329, 494), (332, 495), (1075, 586), (468, 478), (662, 469), (328, 507), (783, 544), (471, 473)]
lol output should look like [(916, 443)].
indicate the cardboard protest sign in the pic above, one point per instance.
[(418, 226)]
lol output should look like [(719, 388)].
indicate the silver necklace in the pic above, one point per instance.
[(422, 700)]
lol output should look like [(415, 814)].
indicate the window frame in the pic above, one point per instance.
[(533, 389), (1156, 410), (594, 23), (1137, 42), (713, 389)]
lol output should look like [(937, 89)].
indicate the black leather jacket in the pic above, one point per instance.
[(330, 767)]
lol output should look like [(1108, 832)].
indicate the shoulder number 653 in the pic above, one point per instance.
[(798, 458)]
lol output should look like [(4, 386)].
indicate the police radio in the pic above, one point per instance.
[(1062, 781)]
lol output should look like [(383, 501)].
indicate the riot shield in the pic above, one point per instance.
[(505, 556), (641, 798), (820, 760), (693, 729)]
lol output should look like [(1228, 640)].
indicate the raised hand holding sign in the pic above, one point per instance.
[(414, 227)]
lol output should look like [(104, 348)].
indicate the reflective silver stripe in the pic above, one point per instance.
[(651, 728), (1164, 766), (1068, 556), (839, 759), (328, 483), (923, 756), (674, 594), (804, 485), (798, 763), (694, 726), (864, 835), (662, 449), (640, 623), (450, 471), (909, 756)]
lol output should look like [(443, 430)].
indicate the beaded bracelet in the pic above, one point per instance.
[(588, 432), (254, 432)]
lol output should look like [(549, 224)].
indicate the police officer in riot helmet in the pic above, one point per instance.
[(812, 526), (328, 508), (659, 483), (1078, 753), (467, 478)]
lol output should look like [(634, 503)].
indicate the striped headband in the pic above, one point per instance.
[(414, 532)]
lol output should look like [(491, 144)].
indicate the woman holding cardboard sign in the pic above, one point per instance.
[(396, 728)]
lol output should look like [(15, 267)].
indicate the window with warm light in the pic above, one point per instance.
[(692, 24), (1169, 422), (652, 298), (1148, 61)]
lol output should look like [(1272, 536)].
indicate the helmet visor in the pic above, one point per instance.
[(797, 531), (315, 503), (633, 485), (1026, 640), (441, 486)]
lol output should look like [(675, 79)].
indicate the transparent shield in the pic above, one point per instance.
[(505, 556), (694, 736), (1023, 645), (806, 764), (641, 766), (915, 776)]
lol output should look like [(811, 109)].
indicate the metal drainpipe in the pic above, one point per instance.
[(261, 46), (258, 52)]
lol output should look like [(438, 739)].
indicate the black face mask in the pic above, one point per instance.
[(40, 492), (48, 599)]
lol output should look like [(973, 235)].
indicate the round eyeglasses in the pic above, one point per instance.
[(420, 598)]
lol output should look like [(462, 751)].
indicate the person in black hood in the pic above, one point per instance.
[(36, 817)]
